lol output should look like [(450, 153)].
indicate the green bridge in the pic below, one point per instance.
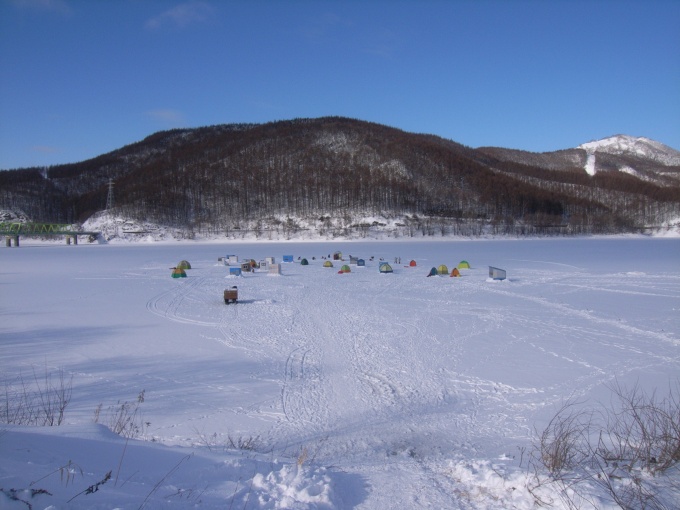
[(12, 231)]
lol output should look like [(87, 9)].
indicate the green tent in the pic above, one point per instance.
[(184, 265), (178, 272), (443, 270), (328, 263), (385, 268), (304, 262), (464, 264), (345, 269)]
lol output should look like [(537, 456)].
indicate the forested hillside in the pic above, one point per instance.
[(333, 173)]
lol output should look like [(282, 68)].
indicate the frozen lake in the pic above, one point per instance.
[(389, 378)]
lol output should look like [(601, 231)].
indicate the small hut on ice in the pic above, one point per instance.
[(496, 273)]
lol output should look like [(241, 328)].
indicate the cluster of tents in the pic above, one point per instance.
[(385, 267), (442, 270), (328, 263), (179, 270)]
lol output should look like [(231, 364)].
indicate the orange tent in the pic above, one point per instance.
[(455, 272), (412, 263)]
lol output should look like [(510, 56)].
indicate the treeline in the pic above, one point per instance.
[(216, 178)]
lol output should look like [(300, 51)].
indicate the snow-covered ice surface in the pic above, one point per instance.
[(359, 390)]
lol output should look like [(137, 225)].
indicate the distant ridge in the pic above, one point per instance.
[(624, 145), (334, 175)]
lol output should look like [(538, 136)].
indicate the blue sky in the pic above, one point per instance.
[(81, 78)]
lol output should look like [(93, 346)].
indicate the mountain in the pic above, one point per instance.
[(641, 157), (336, 176), (644, 148)]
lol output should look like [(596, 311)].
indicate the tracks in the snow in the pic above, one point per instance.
[(170, 304)]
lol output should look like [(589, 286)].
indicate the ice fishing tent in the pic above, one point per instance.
[(184, 265), (178, 272), (246, 267), (496, 273), (304, 262), (328, 263), (443, 269), (455, 272), (433, 272), (345, 269), (463, 264), (412, 263), (288, 258), (385, 267), (234, 271), (353, 260), (337, 255), (361, 262), (274, 269)]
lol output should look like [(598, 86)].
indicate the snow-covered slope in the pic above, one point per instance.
[(625, 145), (640, 157)]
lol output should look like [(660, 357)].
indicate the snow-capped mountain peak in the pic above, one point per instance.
[(634, 146)]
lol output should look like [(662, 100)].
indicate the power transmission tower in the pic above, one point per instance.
[(109, 198)]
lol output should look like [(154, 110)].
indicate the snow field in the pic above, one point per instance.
[(360, 390)]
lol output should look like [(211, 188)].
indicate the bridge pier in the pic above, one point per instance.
[(75, 240), (8, 241)]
